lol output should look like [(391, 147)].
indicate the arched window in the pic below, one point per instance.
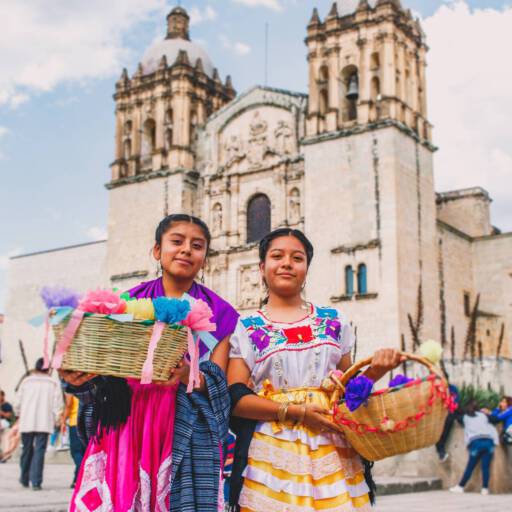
[(127, 149), (375, 61), (349, 281), (168, 138), (149, 141), (258, 218), (375, 88), (193, 125), (323, 90), (350, 92), (362, 284)]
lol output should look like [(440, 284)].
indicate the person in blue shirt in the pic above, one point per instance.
[(503, 413), (448, 425)]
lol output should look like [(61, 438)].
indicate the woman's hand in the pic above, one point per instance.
[(178, 374), (76, 379), (313, 417), (383, 361)]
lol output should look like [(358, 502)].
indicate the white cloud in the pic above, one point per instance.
[(96, 233), (236, 47), (43, 44), (470, 104), (3, 131), (271, 4), (199, 16), (4, 258)]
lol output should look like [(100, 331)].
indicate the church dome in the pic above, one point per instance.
[(346, 7), (177, 39), (170, 48)]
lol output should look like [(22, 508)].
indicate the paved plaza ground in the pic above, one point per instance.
[(56, 493)]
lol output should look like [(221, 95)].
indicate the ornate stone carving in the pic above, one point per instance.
[(233, 150), (258, 140), (249, 287), (294, 214), (284, 138), (216, 219)]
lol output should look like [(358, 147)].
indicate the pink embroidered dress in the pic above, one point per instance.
[(129, 468)]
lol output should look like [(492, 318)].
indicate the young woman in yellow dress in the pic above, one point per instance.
[(298, 461)]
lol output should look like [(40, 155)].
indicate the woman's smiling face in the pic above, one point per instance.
[(285, 266), (182, 252)]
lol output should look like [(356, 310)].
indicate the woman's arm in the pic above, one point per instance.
[(383, 361), (258, 408)]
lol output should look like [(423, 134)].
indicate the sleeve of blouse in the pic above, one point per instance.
[(347, 337), (241, 346)]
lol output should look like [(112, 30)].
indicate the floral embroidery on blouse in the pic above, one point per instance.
[(267, 339)]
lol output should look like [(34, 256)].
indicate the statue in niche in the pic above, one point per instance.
[(249, 287), (217, 219), (284, 138), (257, 140), (294, 207), (233, 150)]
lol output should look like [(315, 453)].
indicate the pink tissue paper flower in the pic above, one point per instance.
[(199, 316), (103, 302)]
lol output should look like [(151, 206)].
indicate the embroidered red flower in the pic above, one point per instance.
[(299, 334)]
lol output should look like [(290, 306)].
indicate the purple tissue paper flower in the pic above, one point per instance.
[(399, 380), (57, 296), (357, 392)]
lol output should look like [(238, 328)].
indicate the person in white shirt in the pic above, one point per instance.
[(39, 407), (481, 438)]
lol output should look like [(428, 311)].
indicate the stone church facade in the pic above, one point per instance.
[(350, 163)]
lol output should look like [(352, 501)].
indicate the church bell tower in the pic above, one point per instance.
[(159, 110), (368, 155)]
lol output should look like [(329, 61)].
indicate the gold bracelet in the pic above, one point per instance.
[(281, 412), (303, 415)]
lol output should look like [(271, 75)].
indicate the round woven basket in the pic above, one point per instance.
[(119, 349), (396, 420)]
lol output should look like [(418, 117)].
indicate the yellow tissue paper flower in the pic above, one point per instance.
[(141, 309), (431, 350)]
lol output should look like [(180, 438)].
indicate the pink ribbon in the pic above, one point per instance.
[(147, 368), (194, 379), (67, 337), (197, 320), (46, 356)]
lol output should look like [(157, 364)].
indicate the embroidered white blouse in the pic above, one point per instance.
[(292, 355)]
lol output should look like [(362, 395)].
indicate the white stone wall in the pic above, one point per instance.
[(456, 259), (134, 213), (80, 268), (467, 210), (492, 275)]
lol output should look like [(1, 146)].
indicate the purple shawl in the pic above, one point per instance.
[(224, 315)]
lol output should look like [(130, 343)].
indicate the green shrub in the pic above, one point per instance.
[(487, 398)]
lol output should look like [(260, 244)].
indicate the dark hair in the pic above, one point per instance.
[(167, 222), (508, 399), (267, 240), (40, 364), (471, 408)]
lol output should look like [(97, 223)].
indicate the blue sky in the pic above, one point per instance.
[(59, 60)]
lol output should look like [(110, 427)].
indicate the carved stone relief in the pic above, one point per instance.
[(294, 214), (249, 287), (216, 219), (257, 140), (284, 138)]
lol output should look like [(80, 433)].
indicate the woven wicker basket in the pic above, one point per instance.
[(396, 420), (119, 349)]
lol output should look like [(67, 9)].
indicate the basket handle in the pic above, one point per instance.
[(366, 362)]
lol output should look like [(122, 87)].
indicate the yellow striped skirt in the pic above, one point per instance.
[(295, 469)]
